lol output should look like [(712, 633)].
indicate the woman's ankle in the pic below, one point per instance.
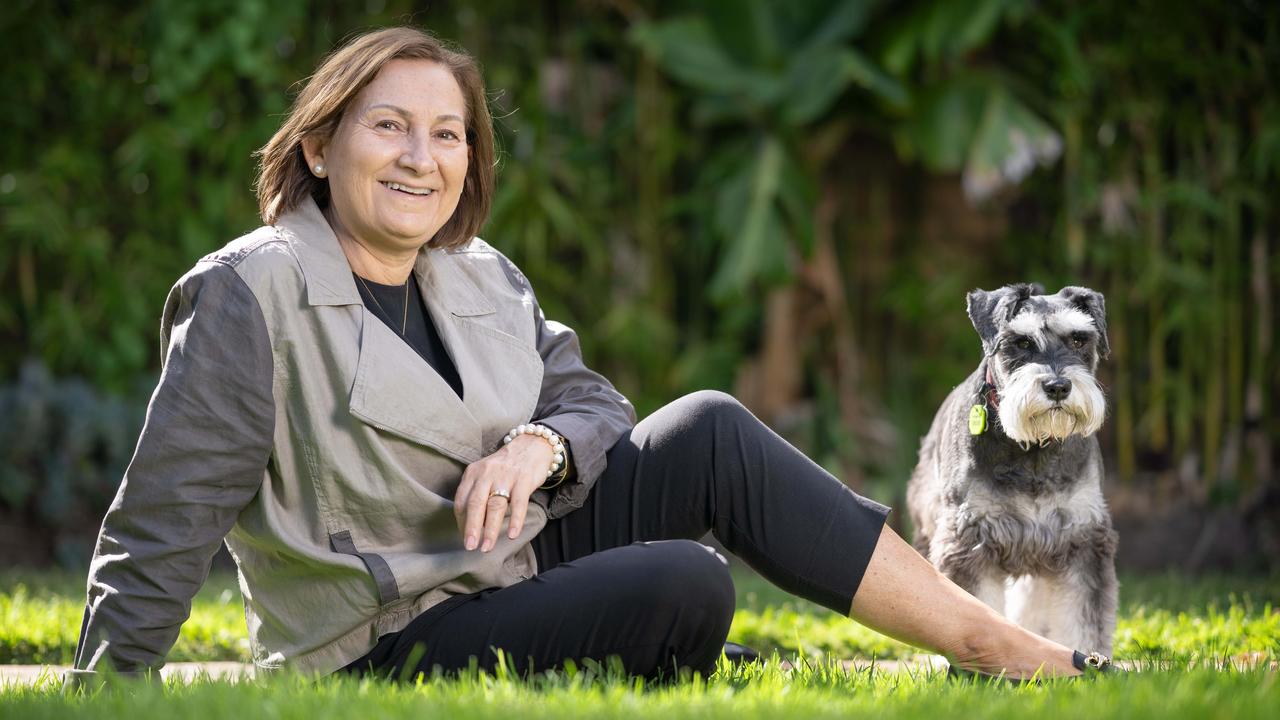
[(1038, 655), (1015, 653)]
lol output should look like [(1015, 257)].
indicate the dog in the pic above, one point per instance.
[(1006, 498)]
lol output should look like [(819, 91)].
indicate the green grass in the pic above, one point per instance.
[(810, 692), (1161, 617), (1165, 622), (40, 616)]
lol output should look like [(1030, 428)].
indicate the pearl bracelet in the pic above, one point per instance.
[(546, 433)]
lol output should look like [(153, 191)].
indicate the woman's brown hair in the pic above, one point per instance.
[(285, 181)]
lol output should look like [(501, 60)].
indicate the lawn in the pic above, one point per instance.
[(1167, 622)]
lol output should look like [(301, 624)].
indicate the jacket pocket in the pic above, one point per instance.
[(383, 578)]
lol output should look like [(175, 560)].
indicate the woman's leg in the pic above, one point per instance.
[(905, 597), (705, 463), (657, 606)]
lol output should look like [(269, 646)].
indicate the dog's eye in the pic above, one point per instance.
[(1022, 343), (1079, 340)]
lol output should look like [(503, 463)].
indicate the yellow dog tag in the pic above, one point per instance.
[(977, 420)]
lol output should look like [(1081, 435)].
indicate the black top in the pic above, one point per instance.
[(388, 303)]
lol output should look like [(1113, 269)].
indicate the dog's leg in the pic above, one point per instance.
[(991, 590), (972, 572), (1035, 604), (1084, 598), (921, 543)]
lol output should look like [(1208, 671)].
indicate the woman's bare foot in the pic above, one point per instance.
[(1014, 652), (905, 597)]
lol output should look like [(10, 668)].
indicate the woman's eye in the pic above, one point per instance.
[(387, 124), (448, 134)]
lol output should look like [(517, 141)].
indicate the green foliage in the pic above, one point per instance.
[(765, 73), (973, 123), (667, 168), (63, 448), (130, 159)]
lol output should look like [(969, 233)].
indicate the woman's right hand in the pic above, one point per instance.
[(519, 467)]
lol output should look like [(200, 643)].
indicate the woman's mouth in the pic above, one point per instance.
[(409, 190)]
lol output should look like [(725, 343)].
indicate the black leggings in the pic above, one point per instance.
[(623, 575)]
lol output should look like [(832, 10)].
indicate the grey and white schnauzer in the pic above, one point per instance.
[(1007, 497)]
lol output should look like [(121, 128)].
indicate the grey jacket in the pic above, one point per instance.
[(295, 425)]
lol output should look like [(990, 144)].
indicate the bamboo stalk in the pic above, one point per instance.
[(1121, 390), (1259, 436), (1155, 419), (779, 381), (1236, 289), (651, 172), (1184, 390), (1214, 405), (824, 272), (27, 285), (1075, 235)]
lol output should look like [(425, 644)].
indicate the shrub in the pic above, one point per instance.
[(64, 447)]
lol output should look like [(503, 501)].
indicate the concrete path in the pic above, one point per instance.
[(36, 674)]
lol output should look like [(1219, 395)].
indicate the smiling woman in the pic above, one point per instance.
[(412, 467), (395, 173), (436, 91)]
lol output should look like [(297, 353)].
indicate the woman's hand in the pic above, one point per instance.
[(520, 467)]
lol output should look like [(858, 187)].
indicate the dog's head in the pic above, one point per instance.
[(1042, 351)]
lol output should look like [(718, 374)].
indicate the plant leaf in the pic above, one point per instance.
[(1009, 142), (687, 50), (942, 128), (816, 79), (752, 229), (866, 74)]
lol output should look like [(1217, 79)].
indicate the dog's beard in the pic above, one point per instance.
[(1029, 417)]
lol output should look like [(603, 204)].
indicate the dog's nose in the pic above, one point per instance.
[(1057, 388)]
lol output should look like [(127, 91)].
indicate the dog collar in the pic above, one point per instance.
[(988, 391), (985, 401)]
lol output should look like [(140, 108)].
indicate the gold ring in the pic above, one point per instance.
[(500, 492)]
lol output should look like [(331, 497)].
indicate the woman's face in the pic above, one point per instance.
[(397, 161)]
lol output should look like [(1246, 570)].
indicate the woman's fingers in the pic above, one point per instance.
[(463, 494), (495, 511), (476, 509), (519, 506), (518, 469), (534, 454)]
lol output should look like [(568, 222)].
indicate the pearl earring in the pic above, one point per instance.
[(319, 169)]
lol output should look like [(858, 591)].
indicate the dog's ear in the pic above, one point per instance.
[(1092, 304), (981, 305), (989, 310)]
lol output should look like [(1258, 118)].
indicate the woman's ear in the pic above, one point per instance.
[(313, 150)]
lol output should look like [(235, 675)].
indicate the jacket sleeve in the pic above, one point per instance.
[(199, 461), (576, 402)]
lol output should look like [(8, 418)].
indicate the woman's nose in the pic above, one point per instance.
[(418, 156)]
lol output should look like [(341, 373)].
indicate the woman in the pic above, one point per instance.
[(412, 467)]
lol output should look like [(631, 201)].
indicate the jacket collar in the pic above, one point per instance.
[(324, 267), (328, 274)]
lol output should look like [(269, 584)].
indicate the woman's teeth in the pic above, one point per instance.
[(410, 190)]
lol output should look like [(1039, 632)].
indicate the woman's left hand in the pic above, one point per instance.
[(519, 467)]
